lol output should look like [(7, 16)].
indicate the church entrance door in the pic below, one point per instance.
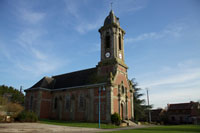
[(122, 112)]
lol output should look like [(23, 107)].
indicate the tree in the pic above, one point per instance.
[(16, 95), (140, 109), (3, 101)]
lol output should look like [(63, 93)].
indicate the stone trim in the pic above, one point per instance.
[(75, 87)]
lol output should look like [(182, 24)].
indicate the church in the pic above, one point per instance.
[(76, 96)]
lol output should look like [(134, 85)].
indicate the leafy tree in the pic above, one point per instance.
[(3, 101), (16, 95), (140, 109)]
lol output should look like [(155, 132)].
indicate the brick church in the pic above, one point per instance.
[(75, 96)]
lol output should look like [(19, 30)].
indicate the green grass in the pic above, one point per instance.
[(165, 129), (77, 124), (157, 129)]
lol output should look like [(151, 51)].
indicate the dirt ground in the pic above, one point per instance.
[(46, 128)]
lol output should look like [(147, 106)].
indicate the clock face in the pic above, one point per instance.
[(107, 54), (120, 55)]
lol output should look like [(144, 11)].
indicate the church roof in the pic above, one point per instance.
[(177, 106), (77, 78), (111, 19), (46, 82)]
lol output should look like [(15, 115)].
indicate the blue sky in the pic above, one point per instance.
[(51, 37)]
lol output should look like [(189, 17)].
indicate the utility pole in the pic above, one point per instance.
[(148, 105), (21, 89)]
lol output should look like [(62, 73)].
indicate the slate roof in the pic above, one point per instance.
[(190, 108), (111, 19), (46, 82), (189, 105), (77, 78)]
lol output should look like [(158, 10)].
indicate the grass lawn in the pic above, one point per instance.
[(77, 124), (165, 129)]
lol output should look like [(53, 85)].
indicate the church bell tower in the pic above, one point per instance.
[(112, 69), (112, 40), (112, 43)]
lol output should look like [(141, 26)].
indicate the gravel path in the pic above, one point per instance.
[(46, 128)]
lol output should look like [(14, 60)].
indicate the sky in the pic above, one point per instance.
[(51, 37)]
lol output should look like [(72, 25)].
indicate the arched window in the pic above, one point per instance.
[(107, 42), (31, 103), (82, 102), (123, 90), (120, 43), (67, 103), (55, 103)]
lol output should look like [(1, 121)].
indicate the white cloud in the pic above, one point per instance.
[(4, 51), (85, 26), (174, 84), (31, 56), (183, 72), (176, 78), (81, 22), (29, 36), (32, 17), (133, 9), (33, 62), (37, 67), (38, 54), (39, 63), (129, 6), (82, 25), (170, 31), (72, 8), (178, 95), (36, 61), (144, 37)]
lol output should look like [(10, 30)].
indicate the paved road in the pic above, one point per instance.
[(46, 128)]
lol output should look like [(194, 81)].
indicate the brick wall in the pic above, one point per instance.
[(44, 101), (47, 105), (122, 80)]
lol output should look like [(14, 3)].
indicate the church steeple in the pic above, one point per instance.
[(111, 18), (112, 39)]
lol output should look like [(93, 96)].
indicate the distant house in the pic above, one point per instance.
[(182, 113), (156, 115)]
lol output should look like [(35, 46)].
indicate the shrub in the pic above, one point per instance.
[(2, 118), (3, 101), (115, 118), (13, 109), (27, 116)]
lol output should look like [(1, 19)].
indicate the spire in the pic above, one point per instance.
[(111, 12), (111, 19)]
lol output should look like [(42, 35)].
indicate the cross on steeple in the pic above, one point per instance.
[(111, 5)]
